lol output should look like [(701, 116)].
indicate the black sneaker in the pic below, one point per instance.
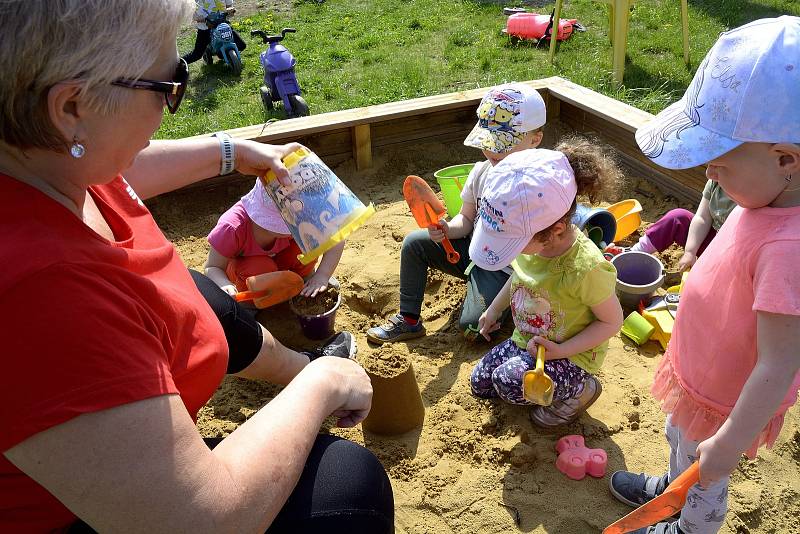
[(342, 345), (395, 329), (635, 490)]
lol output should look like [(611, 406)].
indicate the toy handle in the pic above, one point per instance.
[(452, 255), (248, 295), (686, 480), (259, 33), (539, 359)]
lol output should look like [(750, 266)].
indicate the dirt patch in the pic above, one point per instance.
[(321, 303), (388, 361), (474, 465)]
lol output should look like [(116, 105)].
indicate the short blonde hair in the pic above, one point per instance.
[(92, 42)]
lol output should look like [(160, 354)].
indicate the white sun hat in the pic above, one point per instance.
[(525, 193), (263, 211)]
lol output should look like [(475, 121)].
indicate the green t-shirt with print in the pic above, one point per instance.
[(719, 204), (552, 297)]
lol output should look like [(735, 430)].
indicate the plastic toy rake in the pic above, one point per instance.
[(427, 210)]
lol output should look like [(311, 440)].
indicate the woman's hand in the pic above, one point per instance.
[(717, 460), (686, 261), (257, 158), (315, 285), (489, 322), (351, 386), (553, 350), (438, 233)]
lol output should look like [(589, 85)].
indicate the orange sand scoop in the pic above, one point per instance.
[(537, 387), (427, 210), (268, 289), (662, 507)]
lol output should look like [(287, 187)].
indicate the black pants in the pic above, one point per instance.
[(203, 39), (242, 331), (343, 487)]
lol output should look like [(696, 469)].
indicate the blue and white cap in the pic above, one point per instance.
[(747, 89)]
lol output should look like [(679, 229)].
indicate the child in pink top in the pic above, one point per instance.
[(251, 238), (731, 368)]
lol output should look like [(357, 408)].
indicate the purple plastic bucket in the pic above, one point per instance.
[(319, 326), (638, 276)]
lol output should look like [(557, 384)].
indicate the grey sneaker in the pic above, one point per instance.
[(635, 490), (395, 329), (342, 345), (568, 410)]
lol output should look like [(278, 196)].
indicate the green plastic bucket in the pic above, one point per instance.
[(451, 181)]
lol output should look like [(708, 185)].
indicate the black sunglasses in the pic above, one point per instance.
[(173, 91)]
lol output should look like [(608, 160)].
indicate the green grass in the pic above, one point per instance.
[(353, 53)]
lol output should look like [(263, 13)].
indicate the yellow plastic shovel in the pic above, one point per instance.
[(537, 387)]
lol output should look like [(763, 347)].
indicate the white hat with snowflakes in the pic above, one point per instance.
[(747, 89)]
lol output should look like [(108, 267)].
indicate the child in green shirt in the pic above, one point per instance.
[(561, 292)]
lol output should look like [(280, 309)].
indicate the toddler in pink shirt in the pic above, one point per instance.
[(731, 369), (251, 238)]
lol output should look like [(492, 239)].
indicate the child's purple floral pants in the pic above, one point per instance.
[(499, 373)]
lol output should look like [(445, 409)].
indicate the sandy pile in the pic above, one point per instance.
[(480, 466)]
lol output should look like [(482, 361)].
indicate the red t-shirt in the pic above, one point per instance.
[(89, 324)]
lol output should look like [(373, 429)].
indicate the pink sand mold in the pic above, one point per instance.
[(576, 460)]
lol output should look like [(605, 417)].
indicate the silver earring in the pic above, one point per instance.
[(77, 150), (788, 178)]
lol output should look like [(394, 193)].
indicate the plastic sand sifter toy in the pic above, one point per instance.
[(318, 208)]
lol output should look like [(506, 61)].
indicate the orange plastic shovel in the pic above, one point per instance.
[(427, 210), (537, 387), (268, 289), (663, 506)]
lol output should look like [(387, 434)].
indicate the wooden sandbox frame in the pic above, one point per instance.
[(340, 135)]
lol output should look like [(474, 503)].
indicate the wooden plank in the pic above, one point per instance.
[(616, 122), (362, 146), (611, 110), (686, 185), (422, 126), (336, 136), (347, 118)]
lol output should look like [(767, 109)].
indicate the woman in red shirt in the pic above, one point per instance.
[(110, 348)]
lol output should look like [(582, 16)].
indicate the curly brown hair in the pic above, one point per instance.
[(596, 173)]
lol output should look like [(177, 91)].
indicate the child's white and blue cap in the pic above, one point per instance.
[(747, 89), (525, 193), (262, 210), (506, 113)]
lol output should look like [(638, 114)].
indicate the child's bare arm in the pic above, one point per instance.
[(607, 323), (327, 265), (489, 320), (457, 227), (698, 230), (778, 363), (215, 269)]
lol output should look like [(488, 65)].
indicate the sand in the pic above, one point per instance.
[(479, 466)]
